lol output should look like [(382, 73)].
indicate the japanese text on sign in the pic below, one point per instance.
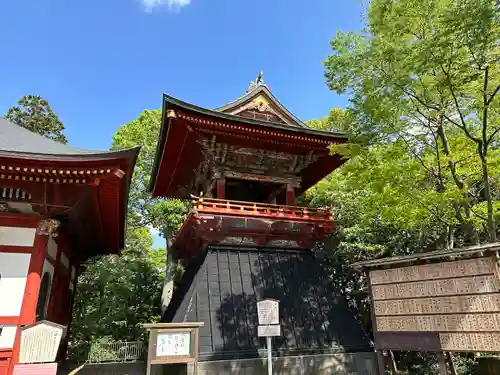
[(268, 312), (170, 344), (269, 331)]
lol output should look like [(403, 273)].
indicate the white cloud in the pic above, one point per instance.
[(150, 5)]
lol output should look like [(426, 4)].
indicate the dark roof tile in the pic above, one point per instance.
[(18, 141)]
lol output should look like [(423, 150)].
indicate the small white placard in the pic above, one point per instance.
[(268, 311), (269, 330), (40, 342), (170, 344)]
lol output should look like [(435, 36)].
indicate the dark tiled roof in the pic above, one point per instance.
[(170, 100), (16, 140), (222, 290)]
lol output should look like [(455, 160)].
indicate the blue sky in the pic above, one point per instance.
[(99, 63)]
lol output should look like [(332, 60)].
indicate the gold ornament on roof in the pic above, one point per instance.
[(258, 82)]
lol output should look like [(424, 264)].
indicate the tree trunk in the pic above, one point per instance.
[(466, 225), (492, 231)]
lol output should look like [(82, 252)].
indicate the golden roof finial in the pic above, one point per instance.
[(258, 82), (259, 77)]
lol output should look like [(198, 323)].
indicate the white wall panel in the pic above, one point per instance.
[(14, 236), (7, 336), (52, 248), (13, 272)]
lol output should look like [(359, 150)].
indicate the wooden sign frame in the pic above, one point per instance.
[(155, 329), (24, 329), (442, 301)]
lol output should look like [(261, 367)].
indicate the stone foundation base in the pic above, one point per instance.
[(322, 364)]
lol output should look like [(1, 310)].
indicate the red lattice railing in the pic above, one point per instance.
[(274, 211)]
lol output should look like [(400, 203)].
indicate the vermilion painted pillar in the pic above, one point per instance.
[(30, 299), (290, 195), (221, 188)]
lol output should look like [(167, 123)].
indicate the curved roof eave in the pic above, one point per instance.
[(172, 101), (129, 153), (225, 116), (20, 143)]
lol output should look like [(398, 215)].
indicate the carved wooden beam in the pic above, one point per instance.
[(293, 180), (48, 227)]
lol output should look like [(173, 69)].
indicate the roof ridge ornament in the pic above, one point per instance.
[(257, 83)]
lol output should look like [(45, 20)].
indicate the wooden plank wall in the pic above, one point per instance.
[(446, 306)]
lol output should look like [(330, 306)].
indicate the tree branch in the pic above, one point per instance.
[(479, 216), (492, 135), (436, 108), (492, 96), (463, 125), (485, 111)]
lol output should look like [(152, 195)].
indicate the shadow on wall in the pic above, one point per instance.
[(315, 318), (313, 365)]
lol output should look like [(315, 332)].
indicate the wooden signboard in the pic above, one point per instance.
[(40, 342), (447, 306), (172, 343), (441, 301)]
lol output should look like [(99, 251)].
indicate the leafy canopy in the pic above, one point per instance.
[(35, 114), (117, 294), (165, 215), (426, 74)]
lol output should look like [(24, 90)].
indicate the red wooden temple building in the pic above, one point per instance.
[(244, 164), (58, 206)]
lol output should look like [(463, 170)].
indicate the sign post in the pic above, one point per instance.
[(172, 343), (269, 356), (269, 319)]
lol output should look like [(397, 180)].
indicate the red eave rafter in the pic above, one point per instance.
[(56, 171), (257, 131), (179, 140), (179, 158), (35, 176), (290, 145), (185, 127)]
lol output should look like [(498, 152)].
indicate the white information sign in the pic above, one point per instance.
[(269, 330), (171, 344), (268, 312), (40, 342)]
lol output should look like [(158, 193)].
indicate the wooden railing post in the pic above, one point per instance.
[(211, 205)]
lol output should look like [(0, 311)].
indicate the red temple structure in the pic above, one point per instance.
[(243, 164), (58, 206)]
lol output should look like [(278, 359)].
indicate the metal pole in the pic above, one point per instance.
[(269, 356)]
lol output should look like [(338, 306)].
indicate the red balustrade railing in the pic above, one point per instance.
[(275, 211)]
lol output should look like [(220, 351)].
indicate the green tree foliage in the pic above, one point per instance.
[(34, 113), (423, 80), (427, 74), (116, 294), (338, 120), (166, 215)]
